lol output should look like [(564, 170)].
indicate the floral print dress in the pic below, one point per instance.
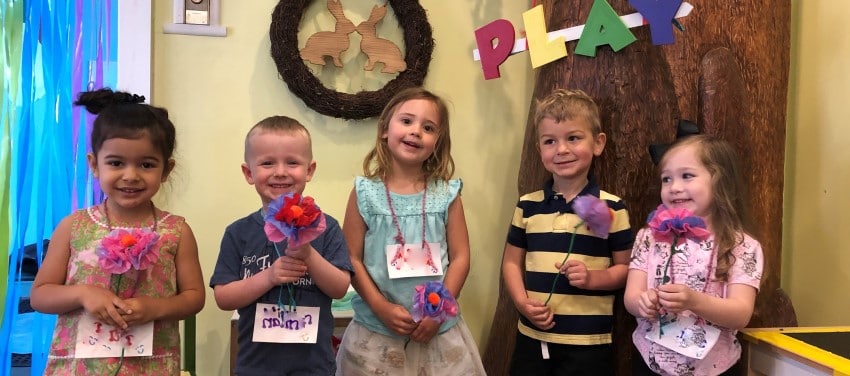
[(88, 228)]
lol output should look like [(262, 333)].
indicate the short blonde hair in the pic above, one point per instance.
[(564, 104), (282, 124)]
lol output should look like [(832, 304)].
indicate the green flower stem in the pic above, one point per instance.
[(118, 284), (670, 259), (120, 362), (663, 276), (121, 359), (569, 251), (289, 289), (189, 344)]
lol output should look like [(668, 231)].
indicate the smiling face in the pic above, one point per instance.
[(567, 148), (685, 181), (278, 162), (130, 172), (412, 133)]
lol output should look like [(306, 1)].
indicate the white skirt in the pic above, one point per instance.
[(363, 352)]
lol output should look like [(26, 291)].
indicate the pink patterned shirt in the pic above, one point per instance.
[(693, 267)]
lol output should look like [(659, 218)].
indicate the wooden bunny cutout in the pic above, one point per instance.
[(329, 43), (379, 50)]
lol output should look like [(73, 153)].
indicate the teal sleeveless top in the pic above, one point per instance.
[(380, 232)]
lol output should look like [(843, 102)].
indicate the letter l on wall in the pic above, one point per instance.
[(541, 50)]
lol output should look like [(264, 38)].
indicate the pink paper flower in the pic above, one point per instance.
[(294, 218), (672, 225), (122, 249)]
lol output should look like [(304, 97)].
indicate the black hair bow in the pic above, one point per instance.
[(684, 129)]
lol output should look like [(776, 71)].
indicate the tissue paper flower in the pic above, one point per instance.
[(670, 225), (673, 225), (124, 249), (432, 299), (595, 213), (294, 218)]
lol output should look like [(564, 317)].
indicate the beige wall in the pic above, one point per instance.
[(217, 88), (816, 257)]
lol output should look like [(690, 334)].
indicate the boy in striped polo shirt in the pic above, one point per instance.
[(569, 333)]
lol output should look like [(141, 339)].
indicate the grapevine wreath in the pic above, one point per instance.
[(283, 34)]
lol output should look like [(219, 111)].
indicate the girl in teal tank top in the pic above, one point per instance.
[(405, 226)]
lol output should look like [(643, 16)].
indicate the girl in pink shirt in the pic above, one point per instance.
[(694, 272)]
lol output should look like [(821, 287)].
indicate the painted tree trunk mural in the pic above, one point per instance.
[(728, 72)]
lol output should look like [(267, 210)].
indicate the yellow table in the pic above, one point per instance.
[(797, 351)]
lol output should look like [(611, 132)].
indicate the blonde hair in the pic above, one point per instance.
[(281, 124), (439, 165), (728, 208), (564, 104)]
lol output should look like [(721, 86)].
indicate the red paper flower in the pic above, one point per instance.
[(294, 218)]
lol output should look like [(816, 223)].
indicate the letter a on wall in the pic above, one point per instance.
[(603, 26)]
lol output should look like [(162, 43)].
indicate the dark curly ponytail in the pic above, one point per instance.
[(124, 115)]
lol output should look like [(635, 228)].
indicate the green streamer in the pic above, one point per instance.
[(12, 14)]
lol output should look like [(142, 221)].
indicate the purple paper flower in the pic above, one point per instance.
[(432, 299), (595, 213), (294, 218)]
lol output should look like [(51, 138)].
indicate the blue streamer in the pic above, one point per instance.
[(18, 135), (64, 52)]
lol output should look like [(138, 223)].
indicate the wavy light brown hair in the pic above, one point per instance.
[(564, 104), (439, 165), (729, 217)]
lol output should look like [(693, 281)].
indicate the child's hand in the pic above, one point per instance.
[(648, 304), (396, 318), (575, 272), (426, 330), (139, 311), (676, 298), (286, 269), (301, 253), (538, 313), (104, 305)]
